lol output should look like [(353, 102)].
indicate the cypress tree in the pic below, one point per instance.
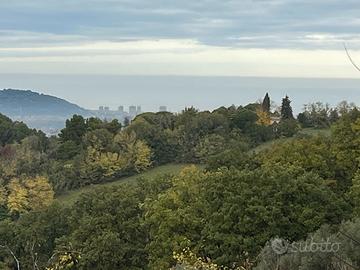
[(266, 104), (286, 110)]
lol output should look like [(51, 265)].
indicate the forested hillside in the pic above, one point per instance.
[(220, 217), (40, 111), (19, 102)]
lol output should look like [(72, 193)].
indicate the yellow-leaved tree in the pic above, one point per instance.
[(17, 201), (137, 151), (263, 117), (142, 154), (126, 154), (40, 192), (29, 194), (105, 163)]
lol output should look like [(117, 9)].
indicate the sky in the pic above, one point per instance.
[(71, 47), (281, 38)]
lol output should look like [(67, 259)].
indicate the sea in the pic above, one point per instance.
[(178, 92)]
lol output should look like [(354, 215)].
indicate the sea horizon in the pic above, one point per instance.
[(178, 91)]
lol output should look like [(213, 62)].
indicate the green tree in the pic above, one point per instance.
[(286, 109), (210, 146), (287, 127), (107, 231), (355, 193), (244, 119), (228, 214), (68, 150), (346, 147), (75, 129)]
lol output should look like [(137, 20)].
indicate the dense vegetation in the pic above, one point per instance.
[(308, 186)]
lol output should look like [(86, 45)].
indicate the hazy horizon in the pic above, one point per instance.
[(178, 92)]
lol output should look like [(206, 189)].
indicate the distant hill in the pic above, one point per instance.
[(25, 103), (38, 110)]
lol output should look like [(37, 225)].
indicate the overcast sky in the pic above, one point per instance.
[(281, 38)]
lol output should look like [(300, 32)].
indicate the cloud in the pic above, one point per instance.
[(269, 23), (293, 38), (175, 57)]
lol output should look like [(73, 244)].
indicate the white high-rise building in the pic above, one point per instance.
[(132, 110), (162, 109)]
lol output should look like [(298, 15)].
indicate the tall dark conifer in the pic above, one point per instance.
[(286, 110), (266, 104)]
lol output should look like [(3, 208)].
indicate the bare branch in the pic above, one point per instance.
[(351, 60), (350, 237), (34, 257), (13, 255), (345, 262)]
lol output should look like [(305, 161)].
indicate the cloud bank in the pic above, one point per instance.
[(205, 37)]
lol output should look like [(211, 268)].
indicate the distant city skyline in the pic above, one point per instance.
[(121, 108)]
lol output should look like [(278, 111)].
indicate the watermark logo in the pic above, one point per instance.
[(281, 246)]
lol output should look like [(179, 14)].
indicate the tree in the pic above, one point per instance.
[(317, 115), (100, 139), (263, 118), (174, 221), (142, 156), (107, 231), (11, 132), (17, 201), (228, 215), (355, 193), (39, 191), (114, 126), (210, 146), (286, 109), (265, 106), (304, 119), (107, 156), (74, 130), (337, 248), (68, 150), (29, 194), (287, 127), (244, 119), (99, 166), (346, 146), (3, 196)]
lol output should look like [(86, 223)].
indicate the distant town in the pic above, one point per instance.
[(106, 113), (49, 113)]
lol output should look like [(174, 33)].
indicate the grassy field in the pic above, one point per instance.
[(71, 196), (316, 131), (305, 131)]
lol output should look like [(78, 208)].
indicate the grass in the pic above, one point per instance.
[(305, 131), (71, 196), (316, 131), (268, 145)]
